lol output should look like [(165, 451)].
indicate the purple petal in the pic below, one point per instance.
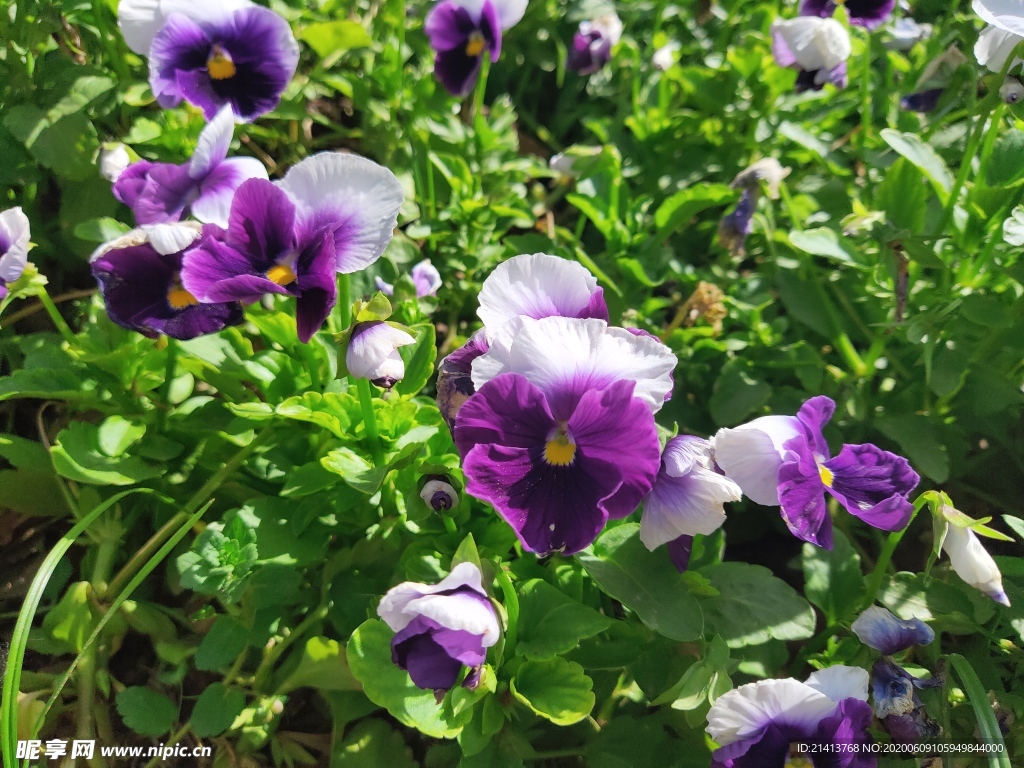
[(922, 101), (457, 71), (428, 662), (217, 188), (780, 51), (845, 736), (802, 495), (168, 192), (679, 551), (814, 415), (180, 46), (454, 377), (597, 307), (448, 26), (131, 182), (769, 747), (873, 485), (214, 271), (822, 8), (869, 14), (316, 285), (262, 222), (878, 628)]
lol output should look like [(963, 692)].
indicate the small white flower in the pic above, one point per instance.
[(815, 43), (665, 56), (973, 563), (113, 160)]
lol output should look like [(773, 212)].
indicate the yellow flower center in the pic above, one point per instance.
[(560, 450), (825, 474), (476, 44), (179, 298), (282, 274), (219, 65)]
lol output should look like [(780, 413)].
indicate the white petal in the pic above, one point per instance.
[(609, 25), (172, 238), (534, 285), (1005, 14), (113, 160), (973, 563), (994, 46), (397, 598), (15, 229), (358, 197), (746, 710), (685, 506), (510, 11), (840, 682), (426, 273), (213, 144), (752, 453), (560, 353), (140, 20), (816, 43), (458, 612), (213, 205), (684, 454)]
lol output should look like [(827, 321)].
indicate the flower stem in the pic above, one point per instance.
[(55, 316), (370, 421), (449, 524), (885, 556), (511, 609), (267, 665), (165, 388), (344, 302)]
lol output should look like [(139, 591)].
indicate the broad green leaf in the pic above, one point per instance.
[(372, 744), (65, 146), (645, 582), (753, 606), (330, 37), (419, 359), (101, 230), (903, 196), (145, 711), (215, 710), (820, 242), (678, 209), (832, 579), (1016, 523), (117, 434), (47, 384), (914, 149), (354, 470), (78, 455), (369, 658), (72, 619), (555, 689), (913, 595), (550, 623), (806, 306), (221, 645), (323, 666), (1006, 166), (220, 560), (334, 411)]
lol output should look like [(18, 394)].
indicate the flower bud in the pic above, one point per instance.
[(439, 494), (373, 353), (973, 563), (113, 160)]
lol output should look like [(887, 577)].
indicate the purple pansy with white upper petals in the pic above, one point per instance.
[(592, 44), (212, 54), (880, 629), (817, 47), (439, 628), (14, 239), (824, 720), (785, 461), (143, 292), (424, 276), (461, 31), (204, 187), (544, 437), (869, 14)]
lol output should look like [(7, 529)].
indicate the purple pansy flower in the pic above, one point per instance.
[(424, 276), (592, 44), (14, 238), (687, 497), (763, 724), (817, 47), (141, 286), (212, 54), (869, 14), (373, 353), (162, 192), (544, 437), (439, 628), (879, 629), (785, 461), (461, 31)]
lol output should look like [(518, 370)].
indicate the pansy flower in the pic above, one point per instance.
[(373, 353), (141, 286), (14, 238), (440, 628), (204, 186), (461, 31), (817, 47), (823, 721), (592, 44), (785, 461), (424, 276), (331, 213), (560, 436), (869, 14), (687, 497), (212, 53)]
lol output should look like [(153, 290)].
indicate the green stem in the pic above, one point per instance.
[(267, 665), (165, 388), (344, 302), (885, 556), (175, 739), (449, 524), (481, 87), (370, 421), (511, 609), (850, 355), (987, 723), (157, 539), (787, 200), (55, 316)]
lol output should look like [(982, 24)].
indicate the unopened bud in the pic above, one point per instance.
[(439, 494)]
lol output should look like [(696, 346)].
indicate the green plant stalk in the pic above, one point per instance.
[(449, 524), (511, 610), (370, 422), (175, 739), (885, 556), (55, 316), (165, 388), (19, 637), (275, 653), (211, 485), (344, 302), (478, 92), (865, 96), (990, 733)]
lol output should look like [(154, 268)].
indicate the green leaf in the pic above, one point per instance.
[(921, 441), (1006, 166), (806, 306), (216, 709), (833, 579), (333, 411), (78, 455), (678, 209), (754, 606), (323, 666), (220, 560), (101, 230), (555, 689), (145, 711), (117, 434), (914, 149), (1016, 524), (72, 619), (221, 645), (330, 37), (371, 744), (550, 623), (988, 725), (645, 582), (903, 196), (66, 146), (419, 359), (369, 658), (820, 242), (355, 470), (467, 552), (736, 393)]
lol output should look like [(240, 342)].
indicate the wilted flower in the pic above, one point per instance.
[(767, 169), (439, 628), (784, 460), (424, 276), (973, 563), (543, 438), (455, 377), (439, 494), (593, 42), (373, 353), (864, 13), (688, 495), (113, 159), (212, 53), (461, 31), (758, 724), (817, 47), (738, 223), (879, 629), (204, 186), (14, 238), (897, 704), (142, 289), (665, 56)]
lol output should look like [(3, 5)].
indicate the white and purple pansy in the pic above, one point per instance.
[(869, 14), (461, 31), (785, 461), (818, 48), (202, 187), (212, 53), (424, 276), (14, 241), (592, 44), (687, 498), (544, 438), (140, 279), (331, 213), (439, 628), (764, 724)]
